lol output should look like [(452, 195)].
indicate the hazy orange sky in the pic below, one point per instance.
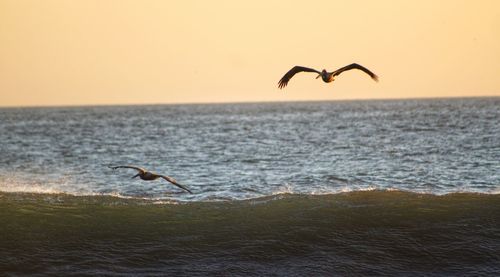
[(133, 52)]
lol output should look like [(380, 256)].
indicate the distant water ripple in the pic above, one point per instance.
[(241, 151)]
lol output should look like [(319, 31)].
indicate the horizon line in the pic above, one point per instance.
[(245, 102)]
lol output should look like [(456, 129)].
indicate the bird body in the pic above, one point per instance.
[(150, 176), (326, 76)]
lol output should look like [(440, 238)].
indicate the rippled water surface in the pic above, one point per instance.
[(241, 151)]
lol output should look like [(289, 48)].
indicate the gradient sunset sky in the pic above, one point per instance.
[(93, 52)]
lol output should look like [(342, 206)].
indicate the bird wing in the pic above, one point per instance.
[(142, 170), (296, 69), (355, 66), (173, 181)]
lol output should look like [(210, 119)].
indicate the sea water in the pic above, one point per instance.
[(347, 187)]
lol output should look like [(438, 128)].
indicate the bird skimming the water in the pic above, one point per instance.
[(326, 76), (150, 176)]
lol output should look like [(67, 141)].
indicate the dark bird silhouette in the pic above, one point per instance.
[(326, 76), (150, 176)]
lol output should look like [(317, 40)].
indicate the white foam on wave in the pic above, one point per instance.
[(325, 190), (357, 188), (9, 185), (291, 189), (68, 186), (284, 189), (62, 186)]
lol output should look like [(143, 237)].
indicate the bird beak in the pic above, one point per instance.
[(136, 176), (319, 75)]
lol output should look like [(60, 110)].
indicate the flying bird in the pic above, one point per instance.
[(326, 76), (150, 176)]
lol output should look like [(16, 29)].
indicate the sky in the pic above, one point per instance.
[(101, 52)]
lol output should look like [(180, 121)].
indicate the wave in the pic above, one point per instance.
[(361, 232), (67, 188)]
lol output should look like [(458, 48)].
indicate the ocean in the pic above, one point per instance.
[(385, 187)]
